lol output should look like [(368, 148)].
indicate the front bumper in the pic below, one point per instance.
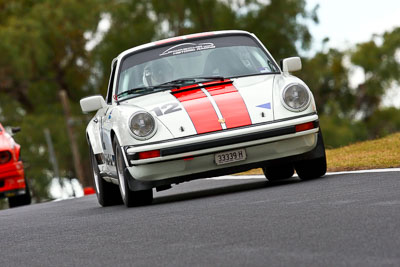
[(189, 156), (12, 179)]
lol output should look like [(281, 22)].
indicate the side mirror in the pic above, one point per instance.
[(291, 64), (15, 130), (92, 103)]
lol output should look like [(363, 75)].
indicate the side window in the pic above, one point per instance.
[(111, 83)]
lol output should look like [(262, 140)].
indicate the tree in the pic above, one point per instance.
[(130, 25), (278, 25), (190, 16), (379, 60), (328, 79), (43, 51), (354, 114)]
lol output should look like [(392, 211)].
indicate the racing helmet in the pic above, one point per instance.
[(157, 72)]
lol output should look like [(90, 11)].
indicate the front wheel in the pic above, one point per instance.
[(278, 172), (311, 169), (21, 200), (315, 167), (129, 197), (107, 193)]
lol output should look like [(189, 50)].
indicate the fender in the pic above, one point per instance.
[(17, 152), (118, 137), (280, 112), (93, 135), (110, 130)]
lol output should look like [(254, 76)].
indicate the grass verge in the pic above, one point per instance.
[(373, 154)]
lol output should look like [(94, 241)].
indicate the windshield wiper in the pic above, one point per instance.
[(221, 78), (192, 80), (168, 85), (147, 89)]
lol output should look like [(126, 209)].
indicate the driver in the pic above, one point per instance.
[(157, 72)]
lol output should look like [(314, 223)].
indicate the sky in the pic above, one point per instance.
[(348, 22)]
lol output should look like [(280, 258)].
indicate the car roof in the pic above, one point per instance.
[(178, 38)]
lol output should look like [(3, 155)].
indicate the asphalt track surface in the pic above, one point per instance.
[(338, 220)]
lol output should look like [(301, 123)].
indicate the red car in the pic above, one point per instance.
[(13, 184)]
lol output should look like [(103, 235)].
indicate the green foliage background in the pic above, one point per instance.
[(43, 50)]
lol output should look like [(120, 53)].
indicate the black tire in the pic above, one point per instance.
[(21, 200), (278, 172), (129, 197), (107, 193), (311, 169)]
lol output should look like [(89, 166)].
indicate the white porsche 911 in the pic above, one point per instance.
[(198, 106)]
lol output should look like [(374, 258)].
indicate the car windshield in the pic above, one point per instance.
[(223, 56)]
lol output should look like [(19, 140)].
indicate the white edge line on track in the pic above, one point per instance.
[(244, 177), (240, 177)]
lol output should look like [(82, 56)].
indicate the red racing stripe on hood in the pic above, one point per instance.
[(231, 104), (199, 109)]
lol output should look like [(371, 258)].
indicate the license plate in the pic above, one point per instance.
[(230, 156)]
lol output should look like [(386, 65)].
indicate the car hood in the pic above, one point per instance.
[(212, 106)]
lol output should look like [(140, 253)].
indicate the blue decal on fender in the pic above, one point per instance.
[(266, 105)]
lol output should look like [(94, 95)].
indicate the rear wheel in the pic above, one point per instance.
[(21, 200), (129, 197), (107, 193), (278, 172)]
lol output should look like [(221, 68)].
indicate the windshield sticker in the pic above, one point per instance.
[(187, 48), (264, 70)]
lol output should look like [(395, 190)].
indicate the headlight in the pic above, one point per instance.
[(5, 157), (142, 125), (296, 97)]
